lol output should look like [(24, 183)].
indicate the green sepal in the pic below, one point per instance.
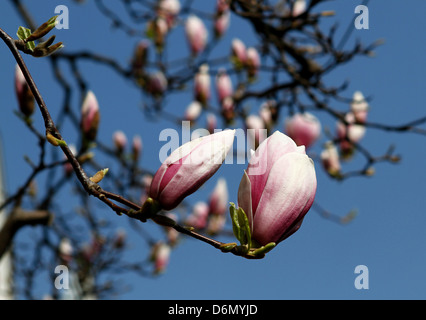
[(226, 247), (260, 252), (240, 225)]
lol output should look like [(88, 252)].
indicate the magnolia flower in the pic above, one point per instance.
[(216, 223), (349, 133), (193, 111), (23, 93), (228, 109), (303, 128), (330, 159), (198, 216), (299, 6), (218, 202), (156, 83), (136, 147), (160, 255), (221, 23), (188, 167), (211, 122), (120, 140), (90, 116), (238, 53), (196, 34), (202, 84), (277, 189), (252, 61), (224, 86), (359, 107), (169, 9)]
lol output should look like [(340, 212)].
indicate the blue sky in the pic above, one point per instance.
[(318, 262)]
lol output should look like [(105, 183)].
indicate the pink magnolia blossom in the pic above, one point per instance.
[(238, 52), (359, 107), (23, 93), (202, 83), (90, 116), (156, 83), (221, 23), (188, 167), (303, 128), (218, 201), (196, 34), (169, 9), (224, 86), (216, 223), (228, 108), (252, 61), (198, 216), (160, 255), (120, 140), (211, 122), (299, 6), (193, 111), (137, 146), (277, 189), (330, 159), (350, 131)]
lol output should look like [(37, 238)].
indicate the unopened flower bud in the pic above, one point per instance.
[(252, 62), (202, 84), (160, 255), (188, 167), (221, 23), (120, 140), (277, 189), (238, 53), (90, 116), (196, 34), (330, 160), (303, 128), (23, 93), (224, 86), (218, 202), (193, 111)]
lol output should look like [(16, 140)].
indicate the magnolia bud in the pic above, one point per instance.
[(156, 83), (330, 160), (359, 107), (202, 84), (23, 93), (196, 34), (188, 167), (238, 53), (90, 116), (224, 86), (303, 128), (193, 111), (252, 62), (136, 147), (277, 189), (218, 202), (120, 140), (221, 23)]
